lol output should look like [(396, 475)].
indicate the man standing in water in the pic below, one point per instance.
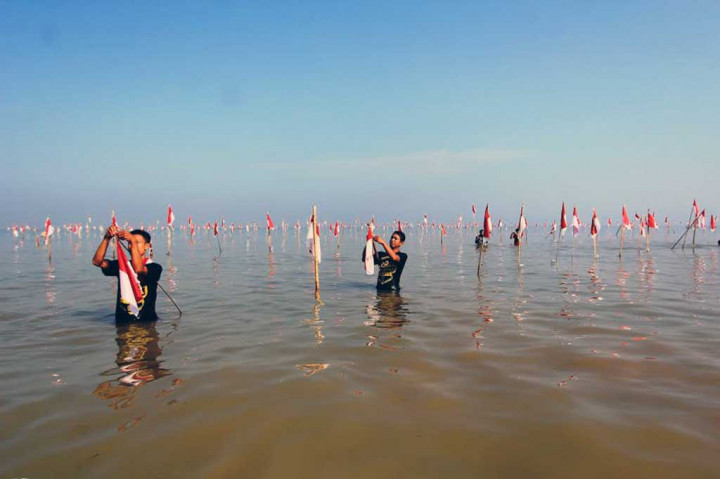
[(391, 261), (147, 272)]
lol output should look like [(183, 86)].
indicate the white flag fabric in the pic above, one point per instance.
[(369, 259)]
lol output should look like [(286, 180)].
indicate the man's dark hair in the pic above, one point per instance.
[(400, 234), (143, 233)]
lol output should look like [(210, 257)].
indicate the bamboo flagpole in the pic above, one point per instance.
[(316, 249)]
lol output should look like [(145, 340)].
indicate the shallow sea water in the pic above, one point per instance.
[(574, 368)]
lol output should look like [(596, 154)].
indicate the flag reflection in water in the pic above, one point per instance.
[(137, 364)]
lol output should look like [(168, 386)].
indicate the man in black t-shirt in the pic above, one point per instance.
[(390, 262), (148, 273)]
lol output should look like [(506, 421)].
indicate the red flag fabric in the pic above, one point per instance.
[(442, 229), (563, 221), (399, 226), (487, 223), (712, 223), (270, 224), (215, 228), (113, 220), (336, 231), (651, 221), (171, 217), (625, 219), (697, 210), (473, 208)]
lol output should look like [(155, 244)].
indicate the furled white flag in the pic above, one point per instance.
[(369, 259), (311, 242)]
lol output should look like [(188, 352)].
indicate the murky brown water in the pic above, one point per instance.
[(575, 369)]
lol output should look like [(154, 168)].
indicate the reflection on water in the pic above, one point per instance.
[(388, 311), (137, 364)]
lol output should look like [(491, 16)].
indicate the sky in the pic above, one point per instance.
[(393, 109)]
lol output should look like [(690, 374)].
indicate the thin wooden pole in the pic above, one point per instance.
[(692, 209), (316, 245), (647, 238), (595, 247), (622, 240), (687, 230)]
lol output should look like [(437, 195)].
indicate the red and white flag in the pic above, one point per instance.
[(625, 219), (712, 223), (575, 222), (131, 295), (113, 221), (473, 208), (609, 222), (594, 225), (642, 227), (425, 220), (697, 210), (563, 221), (701, 221), (442, 229), (399, 226), (215, 229), (487, 223), (522, 224), (651, 221), (369, 259), (49, 230), (171, 217), (552, 228), (270, 224), (336, 230)]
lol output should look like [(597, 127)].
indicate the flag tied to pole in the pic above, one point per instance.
[(215, 228), (49, 230), (369, 259), (270, 224), (487, 223), (651, 221), (712, 223), (473, 208), (311, 241), (171, 217), (130, 292), (625, 219), (575, 222), (594, 225), (336, 230), (563, 221)]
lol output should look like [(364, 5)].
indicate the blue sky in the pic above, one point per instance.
[(390, 108)]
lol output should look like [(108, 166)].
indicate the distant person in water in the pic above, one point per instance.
[(515, 237), (480, 238), (390, 262), (148, 273)]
